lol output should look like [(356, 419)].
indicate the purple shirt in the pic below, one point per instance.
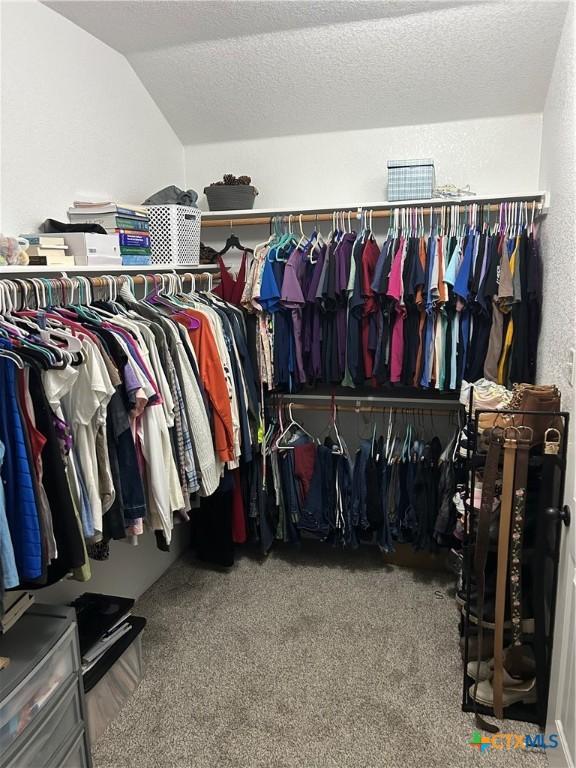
[(312, 328), (292, 298)]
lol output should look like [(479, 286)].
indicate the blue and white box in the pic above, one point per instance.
[(411, 179)]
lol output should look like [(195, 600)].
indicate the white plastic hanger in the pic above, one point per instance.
[(338, 449), (293, 423)]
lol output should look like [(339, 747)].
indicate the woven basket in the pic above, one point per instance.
[(223, 197)]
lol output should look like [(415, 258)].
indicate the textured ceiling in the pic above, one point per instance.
[(246, 69), (144, 25)]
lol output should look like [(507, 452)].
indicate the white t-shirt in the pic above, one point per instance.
[(85, 407)]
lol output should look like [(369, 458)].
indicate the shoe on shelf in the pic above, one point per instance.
[(486, 672), (511, 694), (528, 625)]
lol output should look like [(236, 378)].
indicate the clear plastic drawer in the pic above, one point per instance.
[(51, 734), (76, 756), (25, 703)]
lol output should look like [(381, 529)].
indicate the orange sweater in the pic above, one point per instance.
[(213, 380)]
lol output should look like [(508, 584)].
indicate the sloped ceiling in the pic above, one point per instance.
[(222, 70)]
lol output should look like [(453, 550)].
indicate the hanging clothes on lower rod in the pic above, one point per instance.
[(116, 414), (396, 487), (454, 297)]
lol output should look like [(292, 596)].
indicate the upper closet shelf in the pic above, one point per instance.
[(261, 215)]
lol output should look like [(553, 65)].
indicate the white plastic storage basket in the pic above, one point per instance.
[(175, 234)]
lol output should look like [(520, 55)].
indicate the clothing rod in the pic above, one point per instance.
[(7, 270), (368, 409), (404, 402), (426, 210), (16, 293), (103, 280)]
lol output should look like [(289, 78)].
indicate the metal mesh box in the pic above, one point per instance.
[(175, 234)]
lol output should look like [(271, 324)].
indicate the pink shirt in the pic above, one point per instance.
[(395, 291)]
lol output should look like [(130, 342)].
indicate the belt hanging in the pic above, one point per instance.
[(510, 446), (482, 544), (517, 533)]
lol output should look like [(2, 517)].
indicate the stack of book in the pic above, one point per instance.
[(48, 251), (130, 223)]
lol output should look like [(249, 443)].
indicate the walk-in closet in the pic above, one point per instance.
[(287, 370)]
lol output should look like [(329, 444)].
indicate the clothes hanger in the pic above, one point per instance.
[(405, 452), (145, 281), (302, 234), (262, 246), (373, 441), (203, 293), (391, 223), (314, 241), (338, 449), (73, 343), (192, 277), (110, 299), (128, 287), (275, 239), (9, 355), (286, 241), (233, 242), (388, 451), (172, 303), (293, 423), (38, 292), (55, 356)]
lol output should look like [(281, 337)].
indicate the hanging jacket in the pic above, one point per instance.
[(21, 509)]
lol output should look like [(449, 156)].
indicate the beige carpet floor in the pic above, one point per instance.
[(317, 659)]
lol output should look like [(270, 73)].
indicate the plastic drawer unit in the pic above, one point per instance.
[(41, 695), (74, 754)]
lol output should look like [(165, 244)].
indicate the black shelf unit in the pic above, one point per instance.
[(541, 557)]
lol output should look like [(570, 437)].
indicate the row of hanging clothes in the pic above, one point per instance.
[(399, 485), (117, 414), (441, 298)]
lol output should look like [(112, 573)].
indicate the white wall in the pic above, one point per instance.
[(76, 121), (128, 572), (558, 338), (495, 156), (559, 229)]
